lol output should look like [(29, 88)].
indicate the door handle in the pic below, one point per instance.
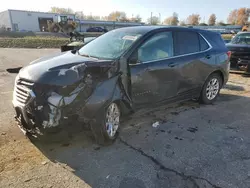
[(208, 56), (172, 64)]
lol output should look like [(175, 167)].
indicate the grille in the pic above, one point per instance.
[(22, 92)]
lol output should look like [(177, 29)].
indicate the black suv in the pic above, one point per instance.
[(240, 49), (97, 29), (117, 73)]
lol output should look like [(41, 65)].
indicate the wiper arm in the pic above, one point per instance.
[(86, 55)]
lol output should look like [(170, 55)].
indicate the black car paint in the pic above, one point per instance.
[(240, 55), (131, 85), (154, 80), (45, 70)]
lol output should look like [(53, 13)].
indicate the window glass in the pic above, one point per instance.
[(203, 44), (186, 42), (110, 45), (158, 47), (243, 38)]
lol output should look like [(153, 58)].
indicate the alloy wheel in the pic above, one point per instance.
[(212, 89), (112, 119)]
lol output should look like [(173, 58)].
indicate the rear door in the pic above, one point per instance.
[(192, 52)]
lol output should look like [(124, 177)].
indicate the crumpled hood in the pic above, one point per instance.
[(52, 69)]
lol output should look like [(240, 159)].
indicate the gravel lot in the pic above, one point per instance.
[(194, 145)]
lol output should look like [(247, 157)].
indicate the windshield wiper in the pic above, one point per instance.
[(86, 55)]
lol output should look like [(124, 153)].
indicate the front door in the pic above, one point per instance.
[(154, 76)]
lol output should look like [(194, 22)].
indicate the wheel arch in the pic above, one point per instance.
[(123, 105), (218, 72)]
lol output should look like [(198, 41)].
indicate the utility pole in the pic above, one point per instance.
[(160, 18), (151, 18)]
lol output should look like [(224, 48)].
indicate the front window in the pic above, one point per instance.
[(158, 47), (241, 39), (110, 45)]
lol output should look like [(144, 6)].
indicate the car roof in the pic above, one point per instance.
[(146, 29), (243, 32)]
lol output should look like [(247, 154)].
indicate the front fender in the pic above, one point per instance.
[(105, 92)]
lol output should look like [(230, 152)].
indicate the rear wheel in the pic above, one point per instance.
[(106, 130), (211, 89), (55, 29)]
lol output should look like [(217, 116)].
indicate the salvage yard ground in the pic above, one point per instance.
[(194, 145)]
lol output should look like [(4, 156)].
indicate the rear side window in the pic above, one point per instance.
[(203, 44), (186, 42)]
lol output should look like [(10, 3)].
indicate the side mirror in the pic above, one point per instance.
[(134, 59)]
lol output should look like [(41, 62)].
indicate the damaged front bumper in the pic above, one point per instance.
[(240, 61), (38, 111)]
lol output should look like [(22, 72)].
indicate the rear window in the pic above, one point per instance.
[(186, 42), (203, 44), (215, 40)]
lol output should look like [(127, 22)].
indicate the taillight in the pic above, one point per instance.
[(229, 54)]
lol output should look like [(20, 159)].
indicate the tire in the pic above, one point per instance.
[(211, 89), (55, 29), (105, 128), (70, 29)]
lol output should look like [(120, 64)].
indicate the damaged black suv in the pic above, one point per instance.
[(117, 73)]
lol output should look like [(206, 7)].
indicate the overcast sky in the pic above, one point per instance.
[(143, 7)]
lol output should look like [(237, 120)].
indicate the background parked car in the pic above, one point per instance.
[(97, 29), (240, 49)]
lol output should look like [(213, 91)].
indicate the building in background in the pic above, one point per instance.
[(228, 29), (83, 25), (22, 20)]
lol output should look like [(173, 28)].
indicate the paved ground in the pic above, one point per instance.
[(194, 145)]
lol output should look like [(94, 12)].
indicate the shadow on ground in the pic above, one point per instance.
[(134, 160), (234, 87), (14, 70)]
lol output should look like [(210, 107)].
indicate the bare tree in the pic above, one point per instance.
[(242, 16), (183, 23), (172, 20), (137, 19), (154, 20), (232, 17), (212, 19), (193, 19), (59, 10), (117, 16), (238, 16), (221, 23), (80, 15)]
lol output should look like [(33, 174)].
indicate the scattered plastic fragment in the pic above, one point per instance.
[(155, 124)]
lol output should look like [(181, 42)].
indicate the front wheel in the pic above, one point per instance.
[(105, 129), (211, 89)]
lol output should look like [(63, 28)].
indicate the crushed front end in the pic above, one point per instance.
[(41, 107), (240, 60)]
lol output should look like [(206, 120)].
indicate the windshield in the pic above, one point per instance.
[(241, 39), (110, 45)]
